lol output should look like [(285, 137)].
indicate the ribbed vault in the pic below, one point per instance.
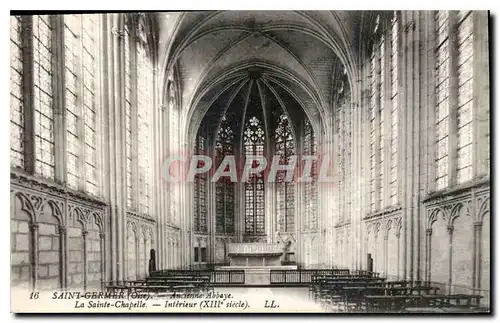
[(297, 51), (254, 91)]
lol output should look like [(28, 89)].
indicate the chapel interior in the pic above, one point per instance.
[(398, 100)]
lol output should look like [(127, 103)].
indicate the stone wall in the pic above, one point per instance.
[(57, 237), (140, 239), (457, 241)]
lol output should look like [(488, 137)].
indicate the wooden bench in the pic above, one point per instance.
[(453, 300), (390, 303)]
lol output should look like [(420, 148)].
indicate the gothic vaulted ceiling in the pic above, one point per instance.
[(293, 51)]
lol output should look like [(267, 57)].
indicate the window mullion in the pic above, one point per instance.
[(377, 131), (453, 99), (80, 106), (58, 83), (224, 192), (28, 94), (134, 120), (481, 104)]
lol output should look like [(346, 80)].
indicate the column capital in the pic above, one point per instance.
[(34, 226), (449, 229), (62, 229), (428, 232), (85, 232), (478, 224), (102, 235)]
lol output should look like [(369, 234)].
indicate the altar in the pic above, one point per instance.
[(257, 260)]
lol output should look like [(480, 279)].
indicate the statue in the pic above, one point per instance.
[(152, 261)]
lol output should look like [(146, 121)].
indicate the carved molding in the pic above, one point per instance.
[(35, 185), (86, 215), (388, 224), (381, 213), (479, 187), (448, 209), (143, 217)]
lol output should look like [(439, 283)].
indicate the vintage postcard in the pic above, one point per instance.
[(250, 162)]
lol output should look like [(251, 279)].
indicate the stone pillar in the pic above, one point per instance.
[(481, 102), (85, 267), (450, 259), (63, 255), (104, 266), (428, 243), (386, 249), (399, 255), (158, 157), (112, 120), (58, 90), (34, 259), (299, 194), (166, 207), (478, 228)]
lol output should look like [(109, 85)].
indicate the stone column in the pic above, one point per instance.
[(85, 267), (478, 228), (386, 249), (104, 266), (63, 255), (34, 259), (299, 194), (428, 243), (112, 128), (406, 144), (211, 208), (365, 156), (58, 90), (481, 102), (450, 259), (399, 255), (156, 176)]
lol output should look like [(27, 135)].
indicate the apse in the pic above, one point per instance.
[(255, 116)]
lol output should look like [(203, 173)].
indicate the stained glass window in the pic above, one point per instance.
[(341, 157), (381, 85), (373, 107), (44, 112), (465, 38), (285, 191), (347, 182), (200, 191), (224, 195), (90, 53), (138, 107), (81, 44), (311, 188), (442, 94), (254, 140), (16, 94), (128, 112), (144, 107), (72, 50), (173, 123), (393, 179)]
